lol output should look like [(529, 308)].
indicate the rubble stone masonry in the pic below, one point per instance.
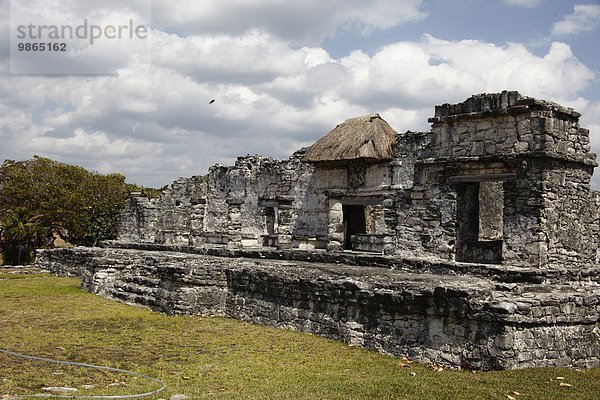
[(477, 244), (448, 318)]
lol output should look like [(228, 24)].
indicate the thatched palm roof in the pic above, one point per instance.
[(367, 137)]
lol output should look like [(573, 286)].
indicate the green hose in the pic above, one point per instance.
[(131, 396)]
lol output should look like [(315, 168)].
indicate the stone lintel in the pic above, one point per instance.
[(483, 178)]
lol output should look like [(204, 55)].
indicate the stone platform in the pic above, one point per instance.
[(467, 315)]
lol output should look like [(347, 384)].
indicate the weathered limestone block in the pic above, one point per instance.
[(534, 151), (460, 320), (493, 209)]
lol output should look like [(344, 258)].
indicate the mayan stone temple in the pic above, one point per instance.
[(476, 244)]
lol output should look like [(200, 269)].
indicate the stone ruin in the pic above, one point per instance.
[(476, 244)]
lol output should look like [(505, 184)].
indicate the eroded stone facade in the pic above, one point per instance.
[(501, 178), (476, 244), (427, 311)]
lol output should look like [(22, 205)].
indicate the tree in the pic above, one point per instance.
[(40, 197)]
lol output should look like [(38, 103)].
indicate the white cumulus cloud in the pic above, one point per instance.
[(585, 18), (276, 89)]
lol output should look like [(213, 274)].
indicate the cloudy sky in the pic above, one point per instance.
[(284, 72)]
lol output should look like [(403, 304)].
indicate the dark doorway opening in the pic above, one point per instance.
[(270, 220), (354, 223), (479, 220)]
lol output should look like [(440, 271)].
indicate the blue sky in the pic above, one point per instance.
[(283, 73)]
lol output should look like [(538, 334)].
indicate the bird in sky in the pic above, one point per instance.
[(212, 101)]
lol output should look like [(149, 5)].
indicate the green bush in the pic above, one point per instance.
[(42, 197)]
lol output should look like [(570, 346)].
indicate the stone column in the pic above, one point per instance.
[(285, 226), (197, 222), (335, 229), (234, 222)]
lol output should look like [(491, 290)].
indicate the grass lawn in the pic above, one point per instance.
[(222, 358)]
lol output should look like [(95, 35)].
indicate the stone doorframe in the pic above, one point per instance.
[(475, 243), (336, 227)]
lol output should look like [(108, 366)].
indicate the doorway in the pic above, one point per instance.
[(479, 215), (270, 220), (354, 223)]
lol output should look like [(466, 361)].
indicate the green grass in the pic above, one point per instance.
[(222, 358)]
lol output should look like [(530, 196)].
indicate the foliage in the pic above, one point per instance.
[(223, 358), (40, 197), (150, 193)]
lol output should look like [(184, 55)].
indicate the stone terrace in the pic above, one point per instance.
[(427, 311), (476, 244)]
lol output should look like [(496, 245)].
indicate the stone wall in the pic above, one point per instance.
[(433, 198), (569, 219), (539, 155), (502, 124), (228, 206), (138, 221), (180, 210), (486, 227), (459, 320)]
